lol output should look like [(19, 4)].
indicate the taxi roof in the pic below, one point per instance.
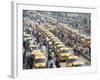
[(35, 52), (64, 48), (40, 55)]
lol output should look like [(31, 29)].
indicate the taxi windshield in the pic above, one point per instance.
[(72, 60), (68, 51)]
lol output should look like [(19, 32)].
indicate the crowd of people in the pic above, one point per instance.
[(44, 45), (73, 40), (42, 40), (69, 38)]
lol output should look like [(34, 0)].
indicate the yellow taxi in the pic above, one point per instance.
[(57, 43), (54, 39), (73, 61), (78, 63), (57, 47), (70, 60), (40, 60), (63, 53), (35, 52), (50, 35)]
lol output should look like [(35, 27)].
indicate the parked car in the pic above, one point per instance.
[(73, 61), (40, 60)]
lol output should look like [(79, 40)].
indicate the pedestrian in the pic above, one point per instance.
[(61, 35), (51, 62), (51, 65), (49, 57), (24, 44), (29, 62), (57, 63), (24, 57), (43, 49)]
